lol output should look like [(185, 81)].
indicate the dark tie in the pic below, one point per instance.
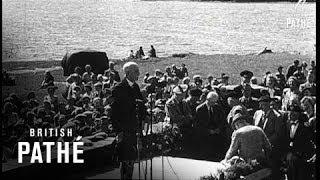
[(181, 106), (210, 112), (262, 120)]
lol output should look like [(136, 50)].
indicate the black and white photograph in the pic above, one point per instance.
[(159, 89)]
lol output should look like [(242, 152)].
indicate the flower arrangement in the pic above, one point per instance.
[(237, 169), (168, 141)]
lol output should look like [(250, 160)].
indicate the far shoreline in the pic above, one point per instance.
[(16, 65)]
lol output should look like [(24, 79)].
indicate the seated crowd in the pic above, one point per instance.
[(273, 122)]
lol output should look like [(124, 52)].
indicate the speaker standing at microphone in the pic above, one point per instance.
[(126, 115)]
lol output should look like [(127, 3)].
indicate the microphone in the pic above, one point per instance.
[(139, 101)]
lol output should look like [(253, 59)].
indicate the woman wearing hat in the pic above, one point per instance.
[(300, 147), (248, 142)]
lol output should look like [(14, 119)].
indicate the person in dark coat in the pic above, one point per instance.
[(48, 80), (184, 70), (245, 79), (281, 79), (272, 123), (140, 53), (292, 68), (247, 100), (179, 114), (300, 147), (177, 72), (152, 52), (193, 100), (210, 127), (126, 116), (309, 84)]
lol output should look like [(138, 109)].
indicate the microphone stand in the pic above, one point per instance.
[(162, 165), (151, 133), (138, 135)]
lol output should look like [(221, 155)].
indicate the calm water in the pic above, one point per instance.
[(46, 29)]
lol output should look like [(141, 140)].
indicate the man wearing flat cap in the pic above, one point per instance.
[(299, 146), (178, 112), (127, 112), (272, 123)]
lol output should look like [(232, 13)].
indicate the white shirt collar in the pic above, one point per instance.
[(129, 82)]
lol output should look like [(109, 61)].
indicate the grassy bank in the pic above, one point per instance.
[(232, 65)]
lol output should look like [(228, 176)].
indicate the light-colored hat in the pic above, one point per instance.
[(98, 84), (181, 88), (238, 117), (197, 76)]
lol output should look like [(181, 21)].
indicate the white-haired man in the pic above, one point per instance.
[(210, 125), (126, 116)]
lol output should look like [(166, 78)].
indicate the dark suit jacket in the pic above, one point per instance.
[(249, 103), (274, 127), (301, 141), (178, 115), (291, 69), (116, 74), (126, 117), (123, 107), (204, 122)]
